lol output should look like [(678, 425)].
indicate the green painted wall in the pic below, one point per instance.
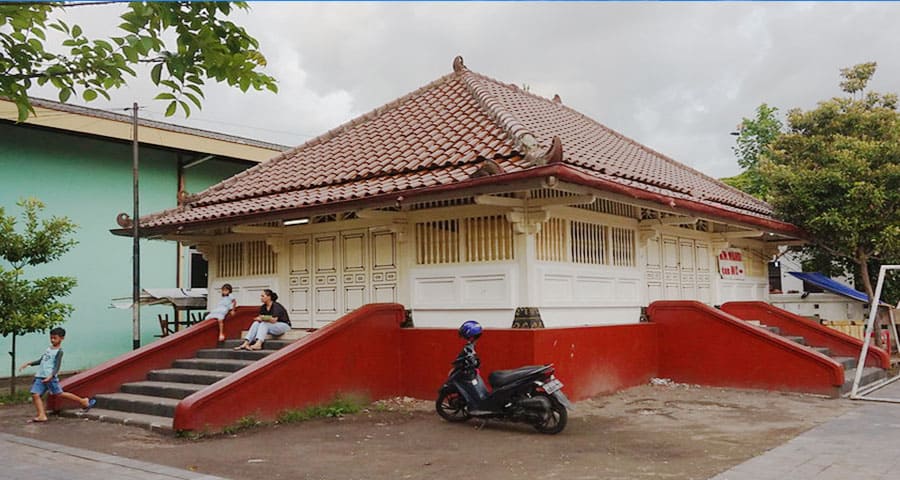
[(89, 181)]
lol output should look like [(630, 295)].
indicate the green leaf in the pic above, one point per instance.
[(185, 107), (23, 108), (156, 73), (64, 94), (76, 31), (165, 96), (193, 98), (89, 95), (170, 110), (103, 44)]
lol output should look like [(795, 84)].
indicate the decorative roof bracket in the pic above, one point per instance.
[(528, 220)]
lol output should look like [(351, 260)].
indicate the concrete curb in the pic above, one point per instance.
[(138, 466)]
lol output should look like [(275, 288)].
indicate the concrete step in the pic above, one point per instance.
[(228, 353), (775, 330), (823, 350), (145, 404), (184, 375), (267, 345), (292, 334), (846, 362), (162, 389), (149, 422), (796, 339), (870, 375), (217, 364)]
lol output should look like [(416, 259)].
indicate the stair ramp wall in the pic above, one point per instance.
[(133, 366), (357, 354), (791, 324), (699, 344)]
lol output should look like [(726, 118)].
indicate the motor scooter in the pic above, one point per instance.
[(530, 394)]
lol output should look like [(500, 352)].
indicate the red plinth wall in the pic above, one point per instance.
[(367, 353), (702, 345), (589, 360), (817, 335)]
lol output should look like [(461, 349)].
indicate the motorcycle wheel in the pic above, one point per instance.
[(451, 406), (555, 420)]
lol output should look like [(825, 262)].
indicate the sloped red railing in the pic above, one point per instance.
[(817, 335), (702, 345), (355, 355), (133, 366)]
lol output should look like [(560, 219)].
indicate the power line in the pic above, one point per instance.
[(242, 125)]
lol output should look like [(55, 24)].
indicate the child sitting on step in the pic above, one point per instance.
[(224, 308)]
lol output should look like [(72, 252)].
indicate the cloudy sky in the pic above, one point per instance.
[(677, 77)]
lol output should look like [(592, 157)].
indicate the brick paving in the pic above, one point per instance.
[(28, 459), (858, 444)]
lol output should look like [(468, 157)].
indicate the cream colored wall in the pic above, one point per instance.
[(328, 269)]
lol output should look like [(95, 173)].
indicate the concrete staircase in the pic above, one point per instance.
[(151, 403), (870, 374)]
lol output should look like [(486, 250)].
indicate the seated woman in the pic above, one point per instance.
[(272, 320)]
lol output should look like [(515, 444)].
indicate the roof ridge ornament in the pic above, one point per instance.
[(486, 168), (458, 65), (536, 158)]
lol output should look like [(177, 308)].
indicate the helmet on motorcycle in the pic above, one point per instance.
[(470, 330)]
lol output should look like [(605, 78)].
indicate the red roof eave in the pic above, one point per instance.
[(562, 172), (569, 174)]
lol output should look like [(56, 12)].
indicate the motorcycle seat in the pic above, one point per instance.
[(499, 378)]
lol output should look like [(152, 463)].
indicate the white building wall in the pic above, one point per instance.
[(328, 269)]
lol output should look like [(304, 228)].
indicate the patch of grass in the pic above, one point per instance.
[(340, 406), (21, 396), (190, 435), (242, 424)]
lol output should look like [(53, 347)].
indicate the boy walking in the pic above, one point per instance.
[(46, 377)]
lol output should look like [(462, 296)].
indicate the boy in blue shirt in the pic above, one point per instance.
[(46, 377)]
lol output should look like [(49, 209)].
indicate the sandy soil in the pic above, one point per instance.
[(668, 431)]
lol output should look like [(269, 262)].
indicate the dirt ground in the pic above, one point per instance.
[(665, 431)]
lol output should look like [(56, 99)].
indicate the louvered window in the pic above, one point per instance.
[(246, 258), (488, 239), (551, 241)]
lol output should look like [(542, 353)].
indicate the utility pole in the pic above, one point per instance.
[(136, 240)]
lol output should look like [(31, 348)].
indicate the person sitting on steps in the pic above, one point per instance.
[(225, 307), (272, 320)]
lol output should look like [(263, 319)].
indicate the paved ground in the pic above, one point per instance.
[(858, 442), (861, 443), (29, 459)]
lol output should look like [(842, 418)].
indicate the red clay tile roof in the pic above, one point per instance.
[(436, 137)]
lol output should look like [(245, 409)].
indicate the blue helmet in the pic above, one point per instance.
[(470, 330)]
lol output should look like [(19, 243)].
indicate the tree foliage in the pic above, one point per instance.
[(32, 305), (754, 136), (835, 172), (206, 46)]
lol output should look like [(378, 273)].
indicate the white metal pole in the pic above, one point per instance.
[(867, 335), (873, 310)]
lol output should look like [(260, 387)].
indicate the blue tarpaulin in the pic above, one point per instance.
[(832, 286)]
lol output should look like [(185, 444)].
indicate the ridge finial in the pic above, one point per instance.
[(458, 64)]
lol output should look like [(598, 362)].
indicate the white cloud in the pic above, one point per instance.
[(675, 76)]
